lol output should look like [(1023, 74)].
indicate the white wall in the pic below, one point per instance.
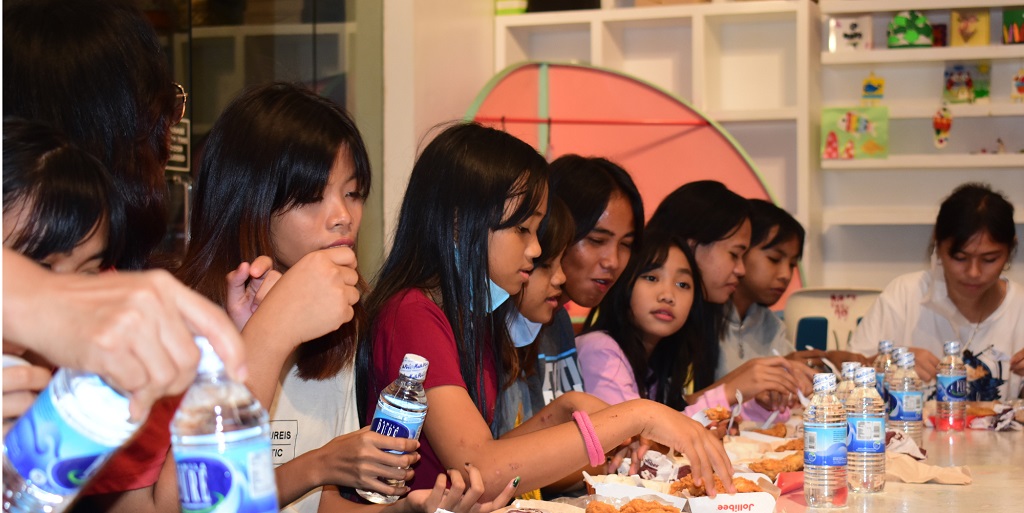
[(437, 56)]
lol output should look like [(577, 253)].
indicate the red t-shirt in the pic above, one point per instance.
[(411, 323)]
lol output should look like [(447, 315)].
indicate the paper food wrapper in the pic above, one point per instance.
[(757, 502), (532, 506), (901, 467), (663, 467), (622, 489)]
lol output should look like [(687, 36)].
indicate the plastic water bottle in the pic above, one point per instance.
[(896, 351), (401, 408), (882, 363), (951, 390), (825, 446), (906, 398), (67, 435), (846, 385), (865, 442), (221, 443)]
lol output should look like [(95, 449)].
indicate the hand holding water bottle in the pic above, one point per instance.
[(364, 460)]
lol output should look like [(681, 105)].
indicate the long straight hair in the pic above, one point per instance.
[(456, 196), (271, 150), (669, 368), (701, 213)]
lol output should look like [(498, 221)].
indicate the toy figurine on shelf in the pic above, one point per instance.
[(942, 122), (1017, 90), (873, 90), (967, 83), (909, 29)]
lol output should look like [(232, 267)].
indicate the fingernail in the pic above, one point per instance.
[(515, 482)]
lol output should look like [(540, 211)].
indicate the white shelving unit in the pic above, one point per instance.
[(747, 65), (758, 68), (885, 203)]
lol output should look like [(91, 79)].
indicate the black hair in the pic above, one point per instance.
[(95, 70), (556, 231), (701, 213), (586, 184), (973, 208), (668, 369), (765, 215), (67, 192), (456, 196), (272, 149)]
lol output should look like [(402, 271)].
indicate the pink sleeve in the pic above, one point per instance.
[(607, 374), (755, 412), (710, 399)]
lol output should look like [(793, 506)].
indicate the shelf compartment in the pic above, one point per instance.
[(903, 55), (564, 42), (658, 51), (931, 161)]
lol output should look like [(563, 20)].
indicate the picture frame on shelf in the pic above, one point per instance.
[(967, 82), (849, 33), (969, 27), (849, 133), (1013, 26)]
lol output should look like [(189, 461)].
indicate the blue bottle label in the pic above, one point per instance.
[(905, 405), (392, 421), (51, 453), (950, 388), (866, 434), (236, 476), (824, 444)]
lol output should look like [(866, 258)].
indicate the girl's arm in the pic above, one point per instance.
[(311, 299), (558, 412), (460, 498), (459, 435)]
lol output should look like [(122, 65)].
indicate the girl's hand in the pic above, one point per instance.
[(247, 286), (21, 385), (925, 363), (1017, 363), (315, 296), (701, 446), (768, 374), (459, 498), (360, 460), (634, 449)]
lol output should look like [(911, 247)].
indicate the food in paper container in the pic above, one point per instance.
[(749, 502), (796, 444), (741, 484), (772, 467), (776, 430), (630, 487)]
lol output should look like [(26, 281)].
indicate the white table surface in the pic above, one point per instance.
[(996, 461)]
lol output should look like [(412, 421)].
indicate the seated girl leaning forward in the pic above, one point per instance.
[(466, 239), (277, 211)]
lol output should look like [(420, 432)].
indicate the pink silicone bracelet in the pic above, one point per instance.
[(594, 449)]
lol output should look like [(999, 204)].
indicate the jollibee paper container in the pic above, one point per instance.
[(757, 502), (631, 487)]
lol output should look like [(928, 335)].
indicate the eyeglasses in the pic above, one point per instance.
[(180, 100)]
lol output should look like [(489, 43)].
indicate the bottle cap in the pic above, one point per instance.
[(951, 347), (414, 367), (865, 376), (824, 383), (848, 370), (897, 351), (905, 360), (885, 346), (209, 362)]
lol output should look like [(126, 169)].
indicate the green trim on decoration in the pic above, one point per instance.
[(543, 109)]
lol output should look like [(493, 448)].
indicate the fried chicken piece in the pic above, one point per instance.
[(742, 485), (601, 507), (718, 413), (796, 444), (777, 430), (979, 410), (642, 506), (772, 467)]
